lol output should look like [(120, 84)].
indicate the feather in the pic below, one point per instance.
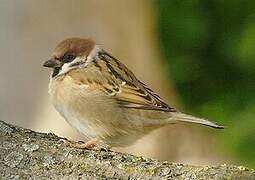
[(178, 116), (131, 92)]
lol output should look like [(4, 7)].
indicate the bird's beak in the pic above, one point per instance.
[(52, 63)]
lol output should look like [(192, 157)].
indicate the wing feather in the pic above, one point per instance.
[(130, 92), (120, 83)]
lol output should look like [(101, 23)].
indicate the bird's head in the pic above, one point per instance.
[(70, 54)]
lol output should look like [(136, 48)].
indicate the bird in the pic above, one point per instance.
[(100, 97)]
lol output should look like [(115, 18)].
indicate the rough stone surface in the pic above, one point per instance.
[(25, 154)]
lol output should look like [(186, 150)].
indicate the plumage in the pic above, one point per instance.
[(77, 46), (102, 98)]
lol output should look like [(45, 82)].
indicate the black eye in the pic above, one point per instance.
[(68, 58)]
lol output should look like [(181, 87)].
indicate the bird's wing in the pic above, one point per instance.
[(122, 85)]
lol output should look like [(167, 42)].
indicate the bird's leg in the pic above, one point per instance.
[(93, 144)]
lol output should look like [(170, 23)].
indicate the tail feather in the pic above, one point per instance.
[(191, 119)]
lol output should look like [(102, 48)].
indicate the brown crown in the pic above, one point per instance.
[(74, 46)]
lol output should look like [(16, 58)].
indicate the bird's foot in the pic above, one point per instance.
[(87, 145), (93, 145)]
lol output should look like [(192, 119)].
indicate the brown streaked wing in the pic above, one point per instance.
[(128, 91)]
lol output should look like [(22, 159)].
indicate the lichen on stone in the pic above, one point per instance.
[(7, 145), (26, 154), (30, 147), (4, 129), (48, 161), (13, 159)]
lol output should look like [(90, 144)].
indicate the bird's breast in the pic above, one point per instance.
[(71, 102), (91, 112)]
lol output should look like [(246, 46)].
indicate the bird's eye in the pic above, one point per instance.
[(68, 58)]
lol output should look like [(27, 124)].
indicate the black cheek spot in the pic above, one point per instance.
[(55, 72)]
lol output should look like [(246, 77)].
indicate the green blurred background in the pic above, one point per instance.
[(210, 51)]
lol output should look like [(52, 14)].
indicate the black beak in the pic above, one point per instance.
[(52, 63)]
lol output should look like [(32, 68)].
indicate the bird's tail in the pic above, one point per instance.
[(178, 116)]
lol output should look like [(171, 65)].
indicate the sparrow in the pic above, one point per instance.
[(101, 98)]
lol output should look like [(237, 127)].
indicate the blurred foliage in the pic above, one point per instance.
[(209, 46)]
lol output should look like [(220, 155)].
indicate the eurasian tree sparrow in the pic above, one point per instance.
[(102, 98)]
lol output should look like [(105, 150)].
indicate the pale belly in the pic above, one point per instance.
[(96, 115), (92, 113), (92, 116), (81, 124)]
